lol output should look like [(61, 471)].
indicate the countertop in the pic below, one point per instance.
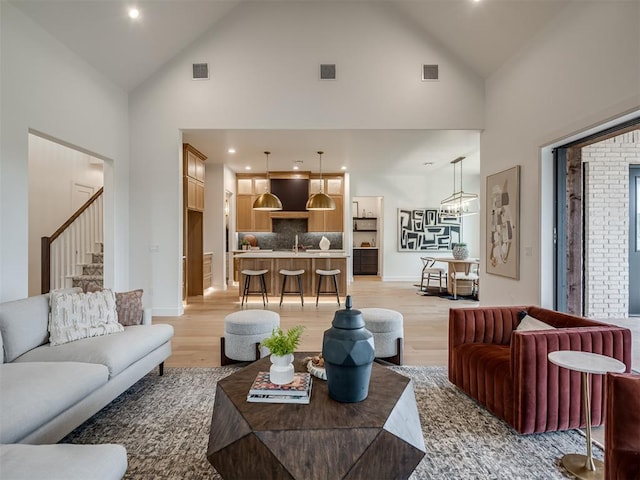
[(291, 254)]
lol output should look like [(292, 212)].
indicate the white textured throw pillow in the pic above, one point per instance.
[(81, 315), (530, 323)]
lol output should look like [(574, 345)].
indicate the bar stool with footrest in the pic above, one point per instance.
[(287, 274), (248, 274), (328, 273)]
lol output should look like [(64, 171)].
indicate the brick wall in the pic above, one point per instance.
[(607, 224)]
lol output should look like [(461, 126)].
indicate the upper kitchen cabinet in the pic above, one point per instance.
[(249, 187), (329, 220), (193, 171)]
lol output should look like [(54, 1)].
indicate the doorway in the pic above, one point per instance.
[(634, 240), (593, 237)]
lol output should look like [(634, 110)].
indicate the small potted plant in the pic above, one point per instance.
[(282, 345), (245, 244)]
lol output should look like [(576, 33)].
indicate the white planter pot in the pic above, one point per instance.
[(281, 371)]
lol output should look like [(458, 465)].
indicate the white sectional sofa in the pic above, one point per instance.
[(47, 391)]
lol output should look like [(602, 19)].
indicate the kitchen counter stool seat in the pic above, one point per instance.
[(328, 273), (248, 275), (291, 273)]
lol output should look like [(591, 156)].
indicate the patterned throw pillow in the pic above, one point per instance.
[(129, 307), (81, 315)]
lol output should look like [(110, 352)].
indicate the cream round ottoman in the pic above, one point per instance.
[(243, 331), (388, 332)]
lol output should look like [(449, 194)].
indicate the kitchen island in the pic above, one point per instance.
[(309, 261)]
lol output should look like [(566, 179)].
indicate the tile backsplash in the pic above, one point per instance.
[(284, 234)]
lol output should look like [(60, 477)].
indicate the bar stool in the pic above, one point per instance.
[(291, 273), (328, 273), (248, 274)]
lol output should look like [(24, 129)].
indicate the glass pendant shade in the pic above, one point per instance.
[(267, 201), (321, 201)]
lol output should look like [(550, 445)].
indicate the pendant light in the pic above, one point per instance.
[(267, 201), (321, 201), (459, 204)]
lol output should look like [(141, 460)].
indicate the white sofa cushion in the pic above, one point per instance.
[(23, 325), (116, 351), (33, 393), (77, 316), (63, 462)]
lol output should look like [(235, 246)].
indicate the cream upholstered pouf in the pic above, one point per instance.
[(242, 331), (388, 332)]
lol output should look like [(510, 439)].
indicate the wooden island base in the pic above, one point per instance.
[(309, 262)]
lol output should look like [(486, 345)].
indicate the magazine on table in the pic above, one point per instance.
[(298, 391), (300, 386), (279, 398)]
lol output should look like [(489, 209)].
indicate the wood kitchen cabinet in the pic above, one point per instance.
[(329, 220), (248, 219), (193, 222), (365, 261)]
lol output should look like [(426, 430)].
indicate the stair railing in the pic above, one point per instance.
[(71, 243)]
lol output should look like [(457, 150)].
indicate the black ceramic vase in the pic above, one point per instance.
[(347, 348)]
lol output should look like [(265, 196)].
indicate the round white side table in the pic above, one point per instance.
[(585, 466)]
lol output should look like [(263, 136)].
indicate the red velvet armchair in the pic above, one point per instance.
[(507, 371), (622, 427)]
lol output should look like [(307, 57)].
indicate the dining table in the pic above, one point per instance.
[(454, 265)]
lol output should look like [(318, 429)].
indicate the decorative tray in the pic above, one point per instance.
[(317, 370)]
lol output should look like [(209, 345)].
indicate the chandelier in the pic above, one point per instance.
[(460, 203)]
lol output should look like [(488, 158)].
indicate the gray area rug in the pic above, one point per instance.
[(164, 424)]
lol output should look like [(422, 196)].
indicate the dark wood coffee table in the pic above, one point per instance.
[(379, 438)]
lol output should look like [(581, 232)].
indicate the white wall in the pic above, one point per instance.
[(424, 190), (582, 69), (264, 67), (53, 171), (47, 88)]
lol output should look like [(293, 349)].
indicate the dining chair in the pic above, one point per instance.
[(470, 273), (430, 271)]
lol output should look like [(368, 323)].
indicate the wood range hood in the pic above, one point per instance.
[(288, 215)]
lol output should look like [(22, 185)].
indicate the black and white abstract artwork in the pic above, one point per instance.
[(423, 230)]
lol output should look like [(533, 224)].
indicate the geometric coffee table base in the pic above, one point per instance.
[(387, 446)]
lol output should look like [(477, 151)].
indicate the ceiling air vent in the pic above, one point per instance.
[(200, 71), (430, 73), (327, 71)]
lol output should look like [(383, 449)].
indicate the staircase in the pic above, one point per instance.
[(91, 278), (68, 257)]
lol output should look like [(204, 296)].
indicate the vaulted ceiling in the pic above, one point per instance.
[(482, 34)]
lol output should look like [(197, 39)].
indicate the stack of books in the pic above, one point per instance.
[(298, 391)]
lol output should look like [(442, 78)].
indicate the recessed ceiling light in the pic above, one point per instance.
[(428, 164), (247, 167), (231, 150), (134, 13), (297, 164), (343, 167)]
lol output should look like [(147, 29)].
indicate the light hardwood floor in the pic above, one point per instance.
[(197, 333)]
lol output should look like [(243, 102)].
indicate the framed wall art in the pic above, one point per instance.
[(503, 223), (422, 230)]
